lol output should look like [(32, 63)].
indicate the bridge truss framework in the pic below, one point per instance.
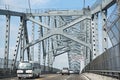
[(74, 32)]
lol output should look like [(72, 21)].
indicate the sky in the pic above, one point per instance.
[(39, 4), (22, 5)]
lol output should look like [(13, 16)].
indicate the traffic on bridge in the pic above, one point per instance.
[(65, 77), (37, 43)]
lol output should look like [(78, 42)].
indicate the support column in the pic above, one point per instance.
[(84, 48), (104, 31), (26, 39), (40, 46), (48, 62), (22, 40), (7, 39), (17, 45), (44, 47), (118, 4), (51, 56), (32, 48), (88, 38), (94, 36)]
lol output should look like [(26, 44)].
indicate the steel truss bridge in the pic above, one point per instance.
[(50, 33)]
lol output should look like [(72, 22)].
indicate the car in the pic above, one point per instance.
[(71, 71), (65, 71)]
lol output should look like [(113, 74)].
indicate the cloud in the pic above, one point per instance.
[(24, 3), (34, 2)]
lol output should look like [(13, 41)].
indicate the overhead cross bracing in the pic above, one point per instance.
[(60, 31)]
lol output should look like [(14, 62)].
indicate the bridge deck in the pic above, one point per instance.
[(85, 76)]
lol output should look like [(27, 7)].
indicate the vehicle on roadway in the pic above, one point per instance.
[(65, 71), (28, 70), (71, 71)]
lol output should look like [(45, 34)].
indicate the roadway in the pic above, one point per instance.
[(52, 77), (85, 76)]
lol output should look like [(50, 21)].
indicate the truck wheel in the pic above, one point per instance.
[(38, 75), (19, 77)]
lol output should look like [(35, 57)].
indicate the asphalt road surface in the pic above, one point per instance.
[(52, 77)]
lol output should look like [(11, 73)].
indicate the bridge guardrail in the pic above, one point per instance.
[(110, 73), (4, 73), (107, 63)]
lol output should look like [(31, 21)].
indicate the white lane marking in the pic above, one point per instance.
[(85, 77)]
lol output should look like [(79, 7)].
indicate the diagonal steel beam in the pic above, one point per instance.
[(40, 39), (75, 21), (64, 27), (76, 40), (61, 52), (38, 22), (58, 31)]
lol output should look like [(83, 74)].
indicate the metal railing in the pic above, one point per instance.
[(110, 73), (107, 63)]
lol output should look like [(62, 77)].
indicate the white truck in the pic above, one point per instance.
[(28, 70)]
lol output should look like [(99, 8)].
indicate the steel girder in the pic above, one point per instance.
[(57, 13), (104, 32), (11, 13), (7, 39), (22, 40), (95, 41)]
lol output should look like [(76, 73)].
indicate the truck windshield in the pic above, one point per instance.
[(25, 66)]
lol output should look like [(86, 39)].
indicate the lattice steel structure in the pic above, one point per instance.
[(74, 32)]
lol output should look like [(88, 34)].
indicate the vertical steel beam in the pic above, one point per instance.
[(22, 39), (39, 45), (48, 62), (94, 36), (26, 39), (17, 45), (88, 36), (52, 57), (118, 4), (32, 48), (48, 47), (44, 46), (7, 39), (104, 31), (87, 25)]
